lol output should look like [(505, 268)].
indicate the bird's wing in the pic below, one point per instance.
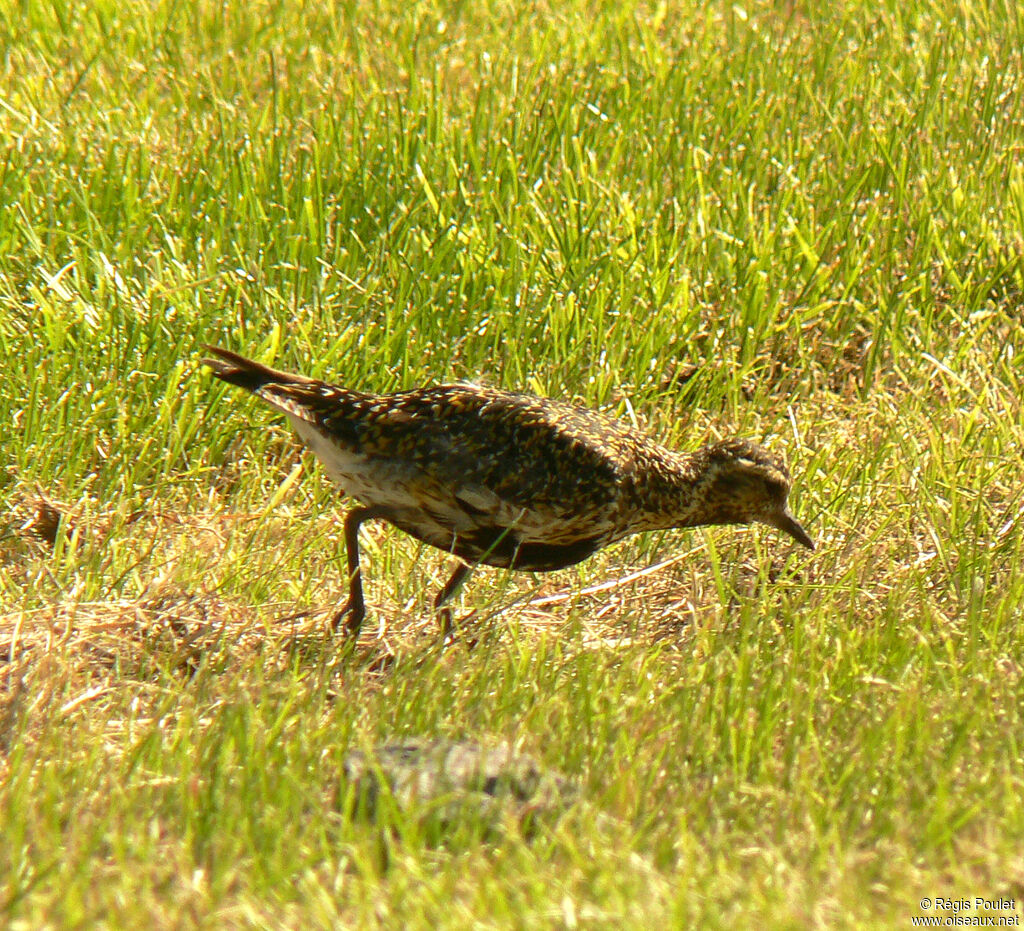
[(503, 461)]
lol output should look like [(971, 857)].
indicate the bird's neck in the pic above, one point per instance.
[(670, 491)]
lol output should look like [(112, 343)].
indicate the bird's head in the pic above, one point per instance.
[(743, 482)]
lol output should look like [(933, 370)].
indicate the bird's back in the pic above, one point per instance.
[(527, 450)]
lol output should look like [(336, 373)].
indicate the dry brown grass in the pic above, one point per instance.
[(167, 627)]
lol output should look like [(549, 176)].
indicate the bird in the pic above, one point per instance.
[(506, 479)]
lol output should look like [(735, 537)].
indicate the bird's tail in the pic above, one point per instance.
[(245, 373)]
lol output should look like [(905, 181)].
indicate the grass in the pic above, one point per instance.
[(821, 208)]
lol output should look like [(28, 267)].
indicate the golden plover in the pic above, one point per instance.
[(504, 479)]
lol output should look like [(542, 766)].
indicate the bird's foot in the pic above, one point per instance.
[(351, 615), (451, 632)]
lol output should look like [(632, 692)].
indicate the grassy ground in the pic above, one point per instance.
[(819, 205)]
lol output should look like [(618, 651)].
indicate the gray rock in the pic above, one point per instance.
[(445, 777)]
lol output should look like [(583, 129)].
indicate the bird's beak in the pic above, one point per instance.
[(787, 523)]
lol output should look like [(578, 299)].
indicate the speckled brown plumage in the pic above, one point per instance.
[(505, 479)]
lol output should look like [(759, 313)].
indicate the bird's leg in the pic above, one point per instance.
[(355, 608), (444, 614)]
